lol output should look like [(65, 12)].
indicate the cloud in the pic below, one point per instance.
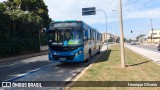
[(132, 9), (136, 9), (153, 13), (72, 9)]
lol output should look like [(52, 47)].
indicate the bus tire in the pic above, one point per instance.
[(87, 60), (90, 53)]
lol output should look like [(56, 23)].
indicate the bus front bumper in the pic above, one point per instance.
[(72, 58)]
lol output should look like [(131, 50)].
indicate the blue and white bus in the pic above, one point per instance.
[(73, 41)]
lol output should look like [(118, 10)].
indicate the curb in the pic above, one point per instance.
[(16, 58), (81, 73)]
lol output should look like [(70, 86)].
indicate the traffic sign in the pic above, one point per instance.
[(89, 11)]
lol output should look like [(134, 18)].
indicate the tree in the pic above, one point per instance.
[(130, 40), (118, 39), (20, 22), (3, 23)]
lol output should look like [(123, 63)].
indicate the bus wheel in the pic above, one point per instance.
[(90, 53), (87, 60), (89, 56)]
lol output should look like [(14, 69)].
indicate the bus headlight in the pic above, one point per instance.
[(50, 40), (76, 54), (79, 52)]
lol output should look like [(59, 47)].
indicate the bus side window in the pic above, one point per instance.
[(85, 34), (89, 34), (93, 35)]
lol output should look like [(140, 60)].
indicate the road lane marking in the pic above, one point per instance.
[(28, 73)]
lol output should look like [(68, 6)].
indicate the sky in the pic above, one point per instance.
[(137, 14)]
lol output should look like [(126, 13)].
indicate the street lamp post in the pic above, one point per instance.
[(115, 11), (106, 24), (122, 35)]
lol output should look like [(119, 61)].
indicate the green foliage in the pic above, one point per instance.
[(20, 23), (110, 40), (118, 39), (2, 7)]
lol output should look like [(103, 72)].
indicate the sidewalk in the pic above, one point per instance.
[(154, 56), (149, 44), (3, 60)]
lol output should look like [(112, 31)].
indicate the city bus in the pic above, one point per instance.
[(73, 41)]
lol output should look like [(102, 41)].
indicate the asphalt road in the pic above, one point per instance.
[(39, 68), (15, 68), (148, 47), (148, 52)]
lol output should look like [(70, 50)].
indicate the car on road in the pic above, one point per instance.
[(133, 43), (158, 48)]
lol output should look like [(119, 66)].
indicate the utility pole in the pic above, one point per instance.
[(122, 35)]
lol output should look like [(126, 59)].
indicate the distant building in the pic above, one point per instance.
[(154, 37), (143, 39), (106, 36)]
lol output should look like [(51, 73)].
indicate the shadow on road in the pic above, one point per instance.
[(104, 57)]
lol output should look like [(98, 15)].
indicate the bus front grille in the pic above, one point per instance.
[(57, 57)]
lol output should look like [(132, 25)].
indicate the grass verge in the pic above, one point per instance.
[(108, 68)]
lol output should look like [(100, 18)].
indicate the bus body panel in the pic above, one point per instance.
[(93, 44), (86, 52)]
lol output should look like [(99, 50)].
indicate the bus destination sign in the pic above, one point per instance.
[(65, 24)]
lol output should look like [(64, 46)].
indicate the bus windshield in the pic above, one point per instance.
[(66, 37)]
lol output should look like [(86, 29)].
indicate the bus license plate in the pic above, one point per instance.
[(62, 58)]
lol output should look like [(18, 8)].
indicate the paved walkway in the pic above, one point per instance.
[(154, 56), (149, 44)]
